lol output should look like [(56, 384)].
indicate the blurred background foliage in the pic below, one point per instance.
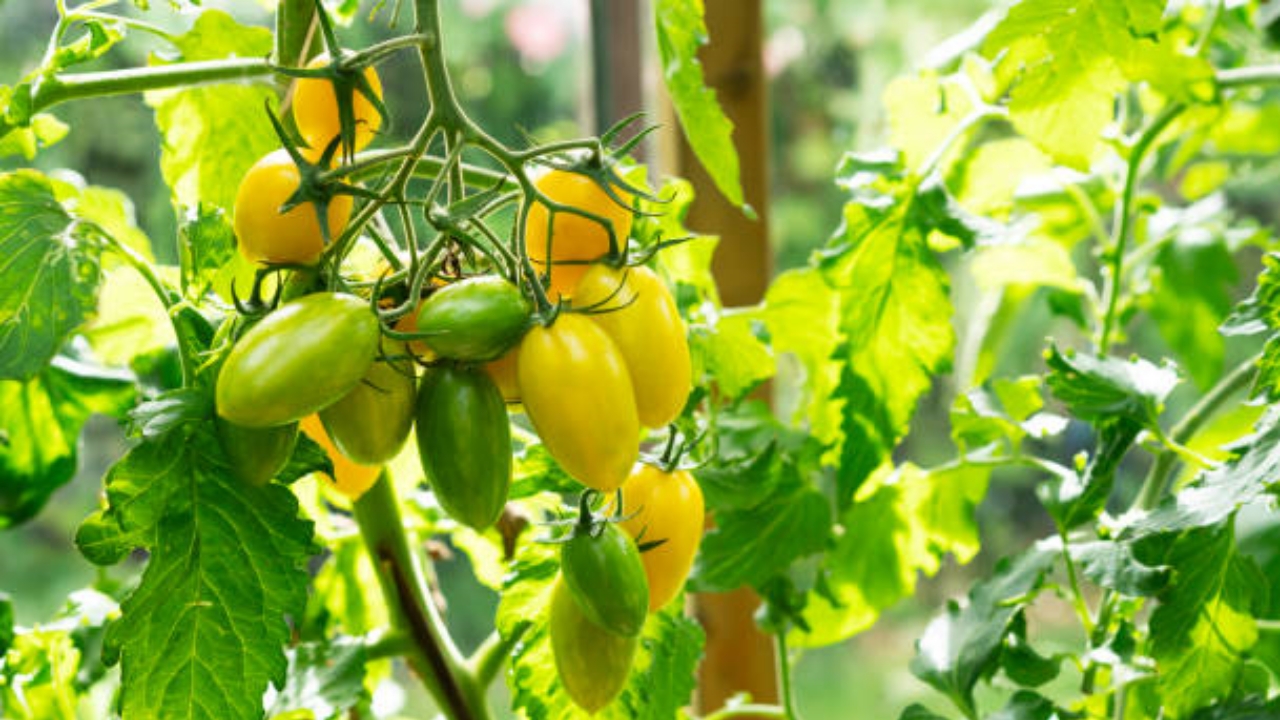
[(522, 66)]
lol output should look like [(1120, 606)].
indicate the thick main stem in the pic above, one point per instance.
[(400, 574)]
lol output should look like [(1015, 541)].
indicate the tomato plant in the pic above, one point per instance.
[(1030, 349)]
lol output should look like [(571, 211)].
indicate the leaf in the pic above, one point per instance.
[(916, 711), (1071, 57), (1032, 261), (963, 645), (1027, 705), (802, 315), (40, 423), (895, 310), (903, 524), (44, 130), (1005, 411), (204, 631), (325, 679), (213, 133), (681, 31), (1248, 709), (1114, 566), (1204, 625), (49, 273), (662, 677), (728, 351), (923, 111), (1109, 388), (207, 244)]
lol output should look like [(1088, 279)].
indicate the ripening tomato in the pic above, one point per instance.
[(315, 109), (268, 236), (297, 360), (349, 478), (575, 240), (504, 371), (476, 319), (593, 663), (464, 442), (666, 507), (604, 572), (257, 454), (371, 423), (637, 311), (578, 396)]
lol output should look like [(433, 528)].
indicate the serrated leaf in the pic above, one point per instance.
[(206, 243), (324, 679), (49, 273), (1114, 566), (1204, 625), (916, 711), (802, 315), (902, 525), (40, 423), (681, 32), (923, 111), (963, 645), (1109, 388), (895, 309), (204, 632), (729, 352), (213, 133), (1027, 705)]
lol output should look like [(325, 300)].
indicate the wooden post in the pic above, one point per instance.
[(739, 658), (618, 61)]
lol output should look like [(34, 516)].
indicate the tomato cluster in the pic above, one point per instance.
[(591, 371)]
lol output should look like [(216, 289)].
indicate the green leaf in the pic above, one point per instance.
[(44, 130), (1257, 314), (40, 423), (1248, 709), (729, 352), (802, 315), (681, 31), (1114, 566), (50, 275), (916, 711), (205, 629), (1204, 625), (903, 524), (1005, 411), (895, 310), (207, 244), (6, 623), (1027, 705), (963, 645), (325, 679), (1107, 389), (213, 133), (1070, 58), (662, 677), (923, 110)]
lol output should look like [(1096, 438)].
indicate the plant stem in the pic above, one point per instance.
[(1245, 76), (487, 660), (1124, 219), (295, 22), (76, 86), (1157, 482), (784, 677), (401, 576)]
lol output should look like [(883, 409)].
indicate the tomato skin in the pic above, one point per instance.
[(315, 109), (264, 235), (593, 663), (574, 237), (297, 360), (349, 478), (635, 308), (577, 393), (505, 374), (371, 423), (257, 454), (606, 577), (666, 506), (475, 319), (464, 441)]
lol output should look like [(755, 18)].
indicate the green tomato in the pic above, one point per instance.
[(476, 319), (593, 663), (257, 454), (298, 360), (603, 570), (464, 441), (370, 423)]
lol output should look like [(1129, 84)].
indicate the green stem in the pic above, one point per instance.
[(1267, 625), (295, 21), (1077, 597), (1246, 76), (1157, 481), (392, 644), (1124, 220), (413, 613), (76, 86), (784, 676), (487, 660)]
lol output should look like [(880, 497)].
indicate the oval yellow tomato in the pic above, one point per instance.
[(637, 311), (349, 478), (267, 235), (315, 109), (575, 239), (666, 507), (578, 396)]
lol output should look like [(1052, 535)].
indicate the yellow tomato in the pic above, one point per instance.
[(637, 311), (667, 507), (315, 109), (578, 396), (267, 235), (574, 237), (350, 478), (504, 372)]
